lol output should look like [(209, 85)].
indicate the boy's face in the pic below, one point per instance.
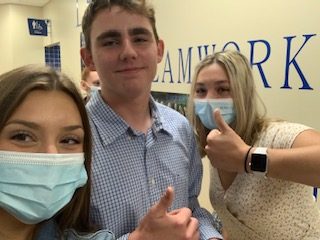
[(92, 80), (124, 52)]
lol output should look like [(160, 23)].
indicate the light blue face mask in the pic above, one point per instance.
[(94, 89), (204, 110), (35, 186)]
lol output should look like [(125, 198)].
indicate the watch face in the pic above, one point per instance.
[(258, 162)]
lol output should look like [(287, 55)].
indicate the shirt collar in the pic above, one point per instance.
[(113, 126)]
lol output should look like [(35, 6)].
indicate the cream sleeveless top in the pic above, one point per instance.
[(258, 208)]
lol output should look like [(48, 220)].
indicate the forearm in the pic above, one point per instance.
[(301, 165), (299, 162)]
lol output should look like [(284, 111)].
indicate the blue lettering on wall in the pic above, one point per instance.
[(186, 57), (167, 68), (258, 64), (231, 43), (293, 61), (205, 50), (183, 68)]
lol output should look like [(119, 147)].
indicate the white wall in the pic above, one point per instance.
[(5, 39), (204, 194), (21, 40), (62, 14), (17, 46)]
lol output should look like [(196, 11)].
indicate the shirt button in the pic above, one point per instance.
[(152, 181)]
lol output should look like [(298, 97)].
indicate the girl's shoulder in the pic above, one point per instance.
[(280, 134)]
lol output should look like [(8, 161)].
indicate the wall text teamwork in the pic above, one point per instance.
[(291, 60)]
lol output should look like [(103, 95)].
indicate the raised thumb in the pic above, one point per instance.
[(161, 208), (220, 122)]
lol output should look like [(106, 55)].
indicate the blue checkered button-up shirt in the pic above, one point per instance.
[(131, 170)]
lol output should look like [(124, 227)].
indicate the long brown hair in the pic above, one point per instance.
[(15, 85)]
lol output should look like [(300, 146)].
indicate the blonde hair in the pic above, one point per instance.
[(249, 121)]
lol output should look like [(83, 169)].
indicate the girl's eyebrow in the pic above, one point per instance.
[(221, 82), (25, 123), (36, 126), (218, 82)]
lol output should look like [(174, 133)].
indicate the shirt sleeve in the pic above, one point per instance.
[(206, 220)]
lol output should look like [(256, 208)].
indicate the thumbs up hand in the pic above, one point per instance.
[(159, 224), (225, 149)]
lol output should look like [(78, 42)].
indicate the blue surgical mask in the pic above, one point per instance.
[(35, 186), (94, 88), (204, 110)]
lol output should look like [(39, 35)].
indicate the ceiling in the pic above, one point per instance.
[(38, 3)]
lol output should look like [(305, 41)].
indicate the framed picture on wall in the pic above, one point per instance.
[(176, 101)]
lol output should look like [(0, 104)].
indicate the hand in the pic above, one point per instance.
[(224, 234), (160, 224), (225, 149)]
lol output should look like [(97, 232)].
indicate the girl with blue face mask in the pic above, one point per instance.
[(45, 157), (213, 91), (262, 170)]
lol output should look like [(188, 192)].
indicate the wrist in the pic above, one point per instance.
[(247, 160)]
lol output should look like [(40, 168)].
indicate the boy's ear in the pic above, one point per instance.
[(87, 58), (160, 49)]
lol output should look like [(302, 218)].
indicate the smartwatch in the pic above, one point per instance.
[(259, 161)]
